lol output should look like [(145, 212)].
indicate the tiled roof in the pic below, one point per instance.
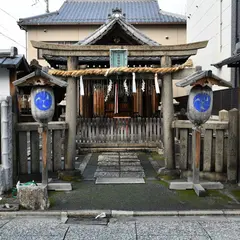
[(118, 19), (96, 12), (16, 62)]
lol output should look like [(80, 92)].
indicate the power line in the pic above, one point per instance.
[(12, 40), (3, 27), (8, 14)]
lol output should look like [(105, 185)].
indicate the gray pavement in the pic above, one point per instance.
[(140, 228)]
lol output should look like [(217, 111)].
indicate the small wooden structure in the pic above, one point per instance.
[(202, 78), (138, 46), (39, 77)]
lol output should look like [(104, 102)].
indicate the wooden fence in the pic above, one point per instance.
[(219, 147), (29, 147), (118, 131)]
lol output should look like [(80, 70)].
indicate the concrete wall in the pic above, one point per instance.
[(176, 35), (211, 20), (4, 82)]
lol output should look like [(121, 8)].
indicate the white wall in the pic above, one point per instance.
[(4, 82), (204, 19)]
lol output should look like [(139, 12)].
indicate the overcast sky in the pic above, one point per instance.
[(12, 10)]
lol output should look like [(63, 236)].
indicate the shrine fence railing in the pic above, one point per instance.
[(117, 132)]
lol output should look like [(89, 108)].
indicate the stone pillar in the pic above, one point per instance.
[(71, 115), (168, 114), (232, 162)]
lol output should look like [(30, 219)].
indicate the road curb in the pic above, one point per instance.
[(118, 213)]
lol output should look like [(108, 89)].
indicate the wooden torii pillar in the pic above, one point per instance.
[(168, 114), (71, 114)]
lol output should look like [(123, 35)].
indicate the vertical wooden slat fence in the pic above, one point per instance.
[(219, 148), (29, 148), (119, 131)]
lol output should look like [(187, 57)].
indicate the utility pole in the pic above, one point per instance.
[(47, 6), (46, 2)]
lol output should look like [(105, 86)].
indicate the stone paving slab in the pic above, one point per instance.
[(101, 157), (102, 232), (102, 163), (31, 237), (171, 237), (129, 160), (132, 174), (108, 169), (173, 227), (129, 156), (120, 181), (131, 169), (109, 153), (130, 163), (108, 160), (34, 227), (220, 230), (3, 222), (106, 174), (127, 153)]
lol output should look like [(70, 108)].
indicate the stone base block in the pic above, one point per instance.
[(173, 173), (2, 181), (74, 175), (33, 197)]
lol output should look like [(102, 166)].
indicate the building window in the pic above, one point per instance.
[(39, 51)]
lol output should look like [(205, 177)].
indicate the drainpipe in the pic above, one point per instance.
[(5, 168)]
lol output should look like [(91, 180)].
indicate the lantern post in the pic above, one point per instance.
[(200, 102), (43, 107)]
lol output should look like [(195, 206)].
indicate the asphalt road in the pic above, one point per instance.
[(155, 228)]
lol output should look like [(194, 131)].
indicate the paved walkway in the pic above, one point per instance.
[(118, 166), (154, 195), (145, 228)]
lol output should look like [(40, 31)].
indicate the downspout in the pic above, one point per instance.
[(5, 168), (235, 39), (236, 84)]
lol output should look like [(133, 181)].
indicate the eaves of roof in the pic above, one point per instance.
[(17, 62), (128, 29)]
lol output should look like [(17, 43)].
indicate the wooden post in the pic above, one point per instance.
[(167, 109), (239, 142), (13, 93), (196, 148), (232, 163), (71, 115), (43, 130)]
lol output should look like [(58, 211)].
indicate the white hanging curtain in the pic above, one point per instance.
[(134, 89), (156, 83), (81, 86)]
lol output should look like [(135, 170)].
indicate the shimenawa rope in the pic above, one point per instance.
[(110, 71)]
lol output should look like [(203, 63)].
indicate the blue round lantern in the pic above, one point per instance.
[(200, 103), (42, 104)]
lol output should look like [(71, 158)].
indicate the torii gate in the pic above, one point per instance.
[(72, 52)]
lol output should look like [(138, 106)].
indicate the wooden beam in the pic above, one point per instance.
[(131, 53), (186, 124), (68, 47), (33, 126)]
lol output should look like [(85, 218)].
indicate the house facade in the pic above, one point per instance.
[(217, 22), (76, 20)]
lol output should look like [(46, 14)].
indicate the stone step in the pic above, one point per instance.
[(119, 181)]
